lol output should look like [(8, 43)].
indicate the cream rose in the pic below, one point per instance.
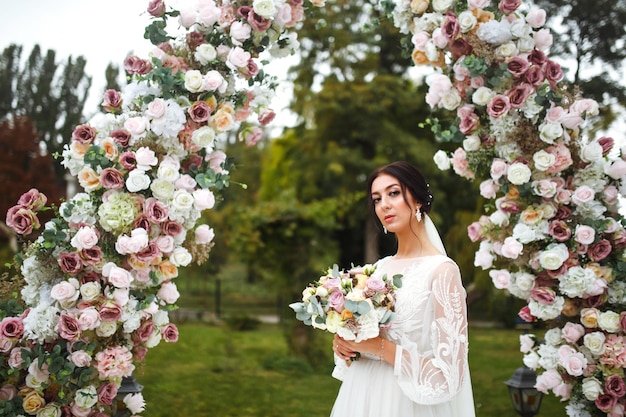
[(333, 321), (205, 53), (518, 173), (137, 180), (609, 321), (467, 21), (592, 388), (483, 96), (180, 257), (194, 81), (589, 317), (442, 160), (265, 8), (543, 160), (594, 341), (203, 137)]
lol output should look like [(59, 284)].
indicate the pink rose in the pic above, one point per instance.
[(605, 402), (477, 4), (498, 106), (376, 284), (607, 144), (145, 158), (563, 158), (543, 39), (583, 194), (548, 380), (70, 263), (128, 160), (572, 332), (110, 312), (511, 248), (460, 164), (118, 277), (584, 234), (203, 199), (610, 195), (65, 291), (165, 244), (489, 188), (469, 119), (89, 318), (168, 292), (12, 328), (33, 200), (108, 391), (84, 134), (169, 333), (80, 358), (420, 39), (85, 238), (216, 160), (536, 17), (614, 385), (498, 168), (156, 211), (156, 8), (600, 250), (251, 135), (135, 65), (22, 220), (617, 170), (69, 328), (336, 301), (617, 411), (114, 362), (237, 58), (136, 126), (185, 182), (204, 234), (266, 116), (137, 241), (501, 278)]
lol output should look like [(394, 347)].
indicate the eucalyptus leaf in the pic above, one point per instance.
[(351, 306), (363, 307)]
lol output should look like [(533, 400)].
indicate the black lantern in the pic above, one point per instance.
[(129, 386), (524, 396)]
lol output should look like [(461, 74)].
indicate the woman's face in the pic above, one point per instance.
[(393, 212)]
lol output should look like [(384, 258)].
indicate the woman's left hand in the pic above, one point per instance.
[(347, 349)]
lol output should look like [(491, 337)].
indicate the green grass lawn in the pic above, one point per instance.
[(213, 371)]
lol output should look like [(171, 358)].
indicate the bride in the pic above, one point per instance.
[(418, 366)]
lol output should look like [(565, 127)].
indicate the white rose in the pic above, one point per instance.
[(168, 172), (518, 173), (205, 53), (471, 143), (553, 336), (137, 180), (549, 132), (591, 152), (203, 137), (553, 257), (50, 410), (506, 50), (609, 321), (431, 51), (499, 218), (524, 281), (524, 233), (594, 341), (90, 291), (531, 360), (543, 160), (321, 291), (180, 257), (592, 388), (265, 8), (86, 397), (520, 29), (106, 329), (182, 200), (203, 199), (162, 189), (441, 6), (526, 44), (467, 21), (193, 81), (451, 100), (333, 321), (483, 96), (442, 160)]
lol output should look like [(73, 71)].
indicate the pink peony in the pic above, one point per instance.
[(114, 362)]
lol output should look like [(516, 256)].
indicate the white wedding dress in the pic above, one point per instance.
[(431, 374)]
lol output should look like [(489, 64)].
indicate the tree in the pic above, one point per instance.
[(591, 33), (51, 95)]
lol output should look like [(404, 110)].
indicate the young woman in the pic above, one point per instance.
[(418, 367)]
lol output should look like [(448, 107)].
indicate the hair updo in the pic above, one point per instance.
[(411, 180)]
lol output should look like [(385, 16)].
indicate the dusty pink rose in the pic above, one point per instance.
[(69, 328), (519, 93), (543, 295), (111, 179), (135, 65), (110, 312), (498, 106), (517, 66), (22, 220), (605, 402), (258, 22), (600, 250), (149, 253), (111, 100), (476, 230), (12, 328), (199, 111), (156, 211), (553, 72), (534, 75), (266, 116), (33, 200), (121, 137), (84, 134), (144, 332), (107, 392), (469, 119), (70, 263), (526, 315), (171, 228), (607, 144), (169, 333), (615, 386), (128, 160), (7, 392), (559, 230), (509, 6)]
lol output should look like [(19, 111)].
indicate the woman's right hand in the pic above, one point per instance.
[(343, 349)]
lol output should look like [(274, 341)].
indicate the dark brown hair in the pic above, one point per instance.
[(411, 181)]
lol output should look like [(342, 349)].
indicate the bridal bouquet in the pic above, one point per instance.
[(354, 304)]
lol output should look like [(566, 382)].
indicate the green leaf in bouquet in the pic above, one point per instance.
[(387, 316), (335, 272), (363, 307), (397, 280), (298, 307), (320, 320), (351, 306)]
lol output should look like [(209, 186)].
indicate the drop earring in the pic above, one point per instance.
[(385, 229), (418, 215)]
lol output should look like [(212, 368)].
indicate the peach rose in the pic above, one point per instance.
[(33, 402)]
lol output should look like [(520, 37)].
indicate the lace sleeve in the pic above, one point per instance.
[(431, 363)]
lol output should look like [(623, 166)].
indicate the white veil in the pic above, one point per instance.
[(433, 234)]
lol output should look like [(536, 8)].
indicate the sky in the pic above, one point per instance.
[(101, 31)]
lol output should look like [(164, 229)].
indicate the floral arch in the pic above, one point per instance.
[(100, 279)]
